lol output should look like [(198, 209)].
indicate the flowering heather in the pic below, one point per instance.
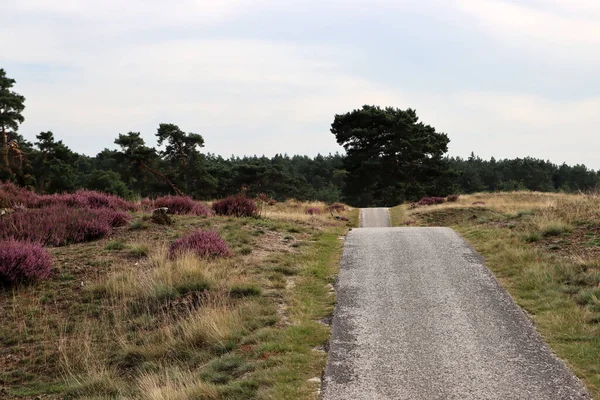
[(13, 195), (147, 204), (206, 244), (429, 201), (60, 225), (23, 261), (182, 205), (235, 206), (313, 211), (336, 207), (453, 198)]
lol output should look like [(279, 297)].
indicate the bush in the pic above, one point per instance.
[(60, 225), (11, 195), (205, 244), (147, 204), (429, 201), (336, 207), (23, 261), (313, 211), (182, 205), (453, 198), (235, 206)]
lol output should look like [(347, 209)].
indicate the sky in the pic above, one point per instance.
[(503, 78)]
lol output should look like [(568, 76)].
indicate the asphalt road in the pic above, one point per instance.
[(374, 218), (420, 317)]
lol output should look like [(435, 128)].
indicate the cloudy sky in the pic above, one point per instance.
[(504, 78)]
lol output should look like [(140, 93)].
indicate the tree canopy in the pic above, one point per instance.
[(12, 105), (390, 156)]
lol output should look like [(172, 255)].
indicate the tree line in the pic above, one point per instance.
[(390, 157)]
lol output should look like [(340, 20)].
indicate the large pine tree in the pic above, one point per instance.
[(12, 105)]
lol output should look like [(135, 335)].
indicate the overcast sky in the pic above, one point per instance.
[(503, 78)]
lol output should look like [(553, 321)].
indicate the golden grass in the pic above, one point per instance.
[(212, 324), (175, 385), (296, 211), (161, 274)]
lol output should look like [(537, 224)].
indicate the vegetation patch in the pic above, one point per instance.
[(202, 243), (236, 206), (134, 322), (23, 262)]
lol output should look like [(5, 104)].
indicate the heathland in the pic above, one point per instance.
[(220, 300)]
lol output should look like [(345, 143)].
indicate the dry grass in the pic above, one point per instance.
[(212, 324), (296, 211), (175, 385)]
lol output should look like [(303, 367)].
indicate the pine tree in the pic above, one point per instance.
[(11, 107)]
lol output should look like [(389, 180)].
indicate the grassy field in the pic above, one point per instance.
[(121, 319), (545, 250)]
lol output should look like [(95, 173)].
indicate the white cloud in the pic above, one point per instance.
[(525, 23)]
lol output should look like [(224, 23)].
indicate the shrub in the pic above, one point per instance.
[(182, 205), (429, 201), (313, 211), (60, 225), (11, 195), (336, 207), (92, 199), (453, 198), (23, 261), (236, 206), (205, 244), (147, 204)]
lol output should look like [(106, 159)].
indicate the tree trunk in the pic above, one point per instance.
[(164, 178), (5, 160)]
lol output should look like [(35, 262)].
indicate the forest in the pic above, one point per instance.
[(383, 174)]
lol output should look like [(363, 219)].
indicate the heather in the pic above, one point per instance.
[(23, 261), (12, 196), (205, 244), (59, 225), (236, 206), (429, 201), (313, 211), (180, 205)]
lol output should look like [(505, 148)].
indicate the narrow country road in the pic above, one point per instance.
[(419, 316)]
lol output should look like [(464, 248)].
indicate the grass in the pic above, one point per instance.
[(537, 245), (121, 319)]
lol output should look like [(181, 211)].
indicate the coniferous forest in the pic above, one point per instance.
[(179, 166)]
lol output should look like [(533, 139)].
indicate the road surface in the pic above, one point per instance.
[(420, 317), (374, 218)]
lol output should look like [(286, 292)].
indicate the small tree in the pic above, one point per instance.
[(11, 107), (137, 153), (182, 154)]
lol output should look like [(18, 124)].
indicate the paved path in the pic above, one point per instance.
[(374, 218), (420, 317)]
